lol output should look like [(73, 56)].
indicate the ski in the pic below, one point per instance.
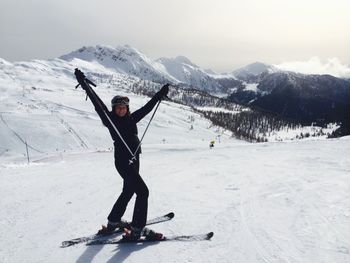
[(93, 237), (200, 237)]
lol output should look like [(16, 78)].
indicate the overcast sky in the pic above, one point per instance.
[(217, 34)]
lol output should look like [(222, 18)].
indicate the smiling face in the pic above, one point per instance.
[(121, 110)]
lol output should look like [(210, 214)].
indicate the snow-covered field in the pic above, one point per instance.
[(273, 202)]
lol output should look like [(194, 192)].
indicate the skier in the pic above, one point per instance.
[(126, 164), (211, 145)]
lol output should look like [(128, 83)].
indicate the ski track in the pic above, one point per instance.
[(80, 142), (68, 127), (18, 136), (258, 246)]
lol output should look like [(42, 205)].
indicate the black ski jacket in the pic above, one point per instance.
[(126, 125)]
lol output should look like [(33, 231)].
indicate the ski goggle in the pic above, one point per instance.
[(120, 101)]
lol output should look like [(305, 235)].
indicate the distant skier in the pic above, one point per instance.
[(125, 122), (211, 144)]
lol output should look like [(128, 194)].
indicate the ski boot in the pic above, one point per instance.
[(112, 226), (132, 234), (150, 234)]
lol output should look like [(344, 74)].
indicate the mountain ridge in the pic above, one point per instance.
[(257, 84)]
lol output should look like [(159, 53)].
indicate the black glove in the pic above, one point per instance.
[(83, 81), (79, 75), (163, 92)]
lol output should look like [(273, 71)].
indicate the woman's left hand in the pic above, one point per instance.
[(163, 92)]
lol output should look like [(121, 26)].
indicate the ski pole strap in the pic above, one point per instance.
[(131, 161), (144, 133)]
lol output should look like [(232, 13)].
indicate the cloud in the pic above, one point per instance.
[(332, 66)]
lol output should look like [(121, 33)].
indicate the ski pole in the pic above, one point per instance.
[(144, 133)]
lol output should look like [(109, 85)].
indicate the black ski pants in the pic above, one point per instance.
[(132, 183)]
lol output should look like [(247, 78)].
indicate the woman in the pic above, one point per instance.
[(126, 142)]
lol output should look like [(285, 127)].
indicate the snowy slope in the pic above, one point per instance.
[(275, 202)]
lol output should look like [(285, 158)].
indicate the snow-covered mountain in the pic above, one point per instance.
[(128, 60), (307, 85), (310, 98), (180, 70), (123, 60), (39, 105), (243, 85), (126, 67), (304, 98), (250, 72), (184, 71)]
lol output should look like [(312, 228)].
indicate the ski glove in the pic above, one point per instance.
[(81, 79), (79, 75), (163, 92)]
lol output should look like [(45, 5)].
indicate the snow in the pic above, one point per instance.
[(273, 202), (217, 109), (267, 202), (251, 86), (307, 132), (216, 75)]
